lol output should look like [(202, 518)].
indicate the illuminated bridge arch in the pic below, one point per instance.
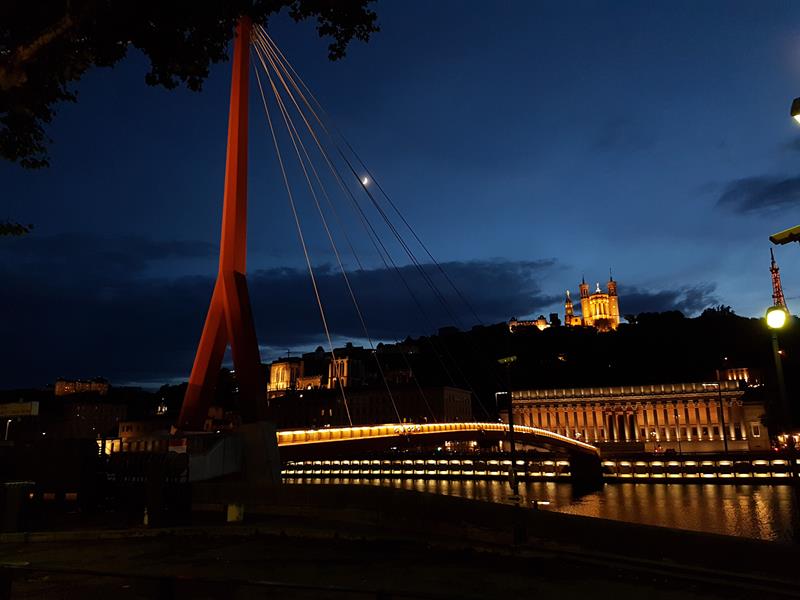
[(341, 441)]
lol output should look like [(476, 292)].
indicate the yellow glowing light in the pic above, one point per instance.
[(776, 317), (795, 110)]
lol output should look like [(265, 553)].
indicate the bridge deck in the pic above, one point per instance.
[(422, 432)]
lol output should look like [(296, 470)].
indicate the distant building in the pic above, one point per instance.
[(599, 310), (65, 387), (353, 367), (540, 323), (284, 374), (687, 417), (369, 406)]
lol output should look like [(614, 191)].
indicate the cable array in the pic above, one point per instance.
[(294, 101)]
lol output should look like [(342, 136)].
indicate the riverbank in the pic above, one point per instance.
[(382, 538), (689, 468)]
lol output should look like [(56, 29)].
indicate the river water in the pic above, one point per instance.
[(767, 512)]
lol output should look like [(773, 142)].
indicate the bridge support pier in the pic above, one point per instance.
[(586, 471)]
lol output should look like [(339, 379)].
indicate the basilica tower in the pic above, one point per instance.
[(585, 310), (613, 302)]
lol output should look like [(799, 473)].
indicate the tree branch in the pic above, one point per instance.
[(13, 73)]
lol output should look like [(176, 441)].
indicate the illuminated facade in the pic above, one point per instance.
[(540, 323), (65, 387), (681, 417), (598, 309), (285, 374), (369, 405)]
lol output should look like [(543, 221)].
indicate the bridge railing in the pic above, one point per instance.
[(336, 434)]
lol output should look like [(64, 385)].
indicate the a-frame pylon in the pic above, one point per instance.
[(230, 318)]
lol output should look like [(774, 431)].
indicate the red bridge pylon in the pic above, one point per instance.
[(230, 318)]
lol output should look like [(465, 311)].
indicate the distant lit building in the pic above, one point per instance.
[(65, 387), (751, 377), (540, 323), (352, 367), (284, 374), (599, 310), (369, 406), (687, 417)]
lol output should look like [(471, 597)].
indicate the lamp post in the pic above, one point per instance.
[(777, 316), (8, 424), (795, 110), (678, 430), (721, 408), (507, 362)]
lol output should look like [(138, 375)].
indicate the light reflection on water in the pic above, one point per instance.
[(767, 512)]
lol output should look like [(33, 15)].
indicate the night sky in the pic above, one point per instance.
[(527, 143)]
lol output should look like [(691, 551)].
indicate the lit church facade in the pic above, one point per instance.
[(599, 310)]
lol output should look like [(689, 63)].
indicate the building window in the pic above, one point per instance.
[(755, 429), (705, 433)]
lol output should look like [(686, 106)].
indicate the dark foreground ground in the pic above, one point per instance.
[(395, 543)]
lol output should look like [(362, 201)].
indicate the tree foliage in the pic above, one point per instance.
[(47, 45), (9, 228)]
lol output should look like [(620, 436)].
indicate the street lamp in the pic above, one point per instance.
[(777, 316), (507, 362), (721, 407), (795, 111)]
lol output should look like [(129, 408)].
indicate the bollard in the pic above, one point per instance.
[(6, 579), (166, 588), (235, 513), (520, 529)]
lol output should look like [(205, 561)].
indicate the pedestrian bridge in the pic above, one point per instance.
[(340, 441)]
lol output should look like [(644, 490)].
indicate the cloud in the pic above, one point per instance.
[(754, 195), (792, 145), (86, 305), (621, 135), (690, 299)]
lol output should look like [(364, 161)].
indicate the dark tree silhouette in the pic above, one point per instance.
[(47, 45), (9, 228)]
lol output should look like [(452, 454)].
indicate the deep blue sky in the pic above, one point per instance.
[(528, 143)]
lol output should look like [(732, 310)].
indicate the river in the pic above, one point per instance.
[(767, 512)]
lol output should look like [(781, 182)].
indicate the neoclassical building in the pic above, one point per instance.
[(686, 417)]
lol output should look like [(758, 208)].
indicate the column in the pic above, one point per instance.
[(702, 417), (713, 417), (625, 428), (729, 420), (656, 424)]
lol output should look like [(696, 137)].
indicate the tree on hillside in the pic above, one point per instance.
[(47, 45), (9, 228)]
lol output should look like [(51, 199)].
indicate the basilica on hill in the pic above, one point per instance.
[(599, 310)]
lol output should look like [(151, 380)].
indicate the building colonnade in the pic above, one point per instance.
[(601, 421)]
